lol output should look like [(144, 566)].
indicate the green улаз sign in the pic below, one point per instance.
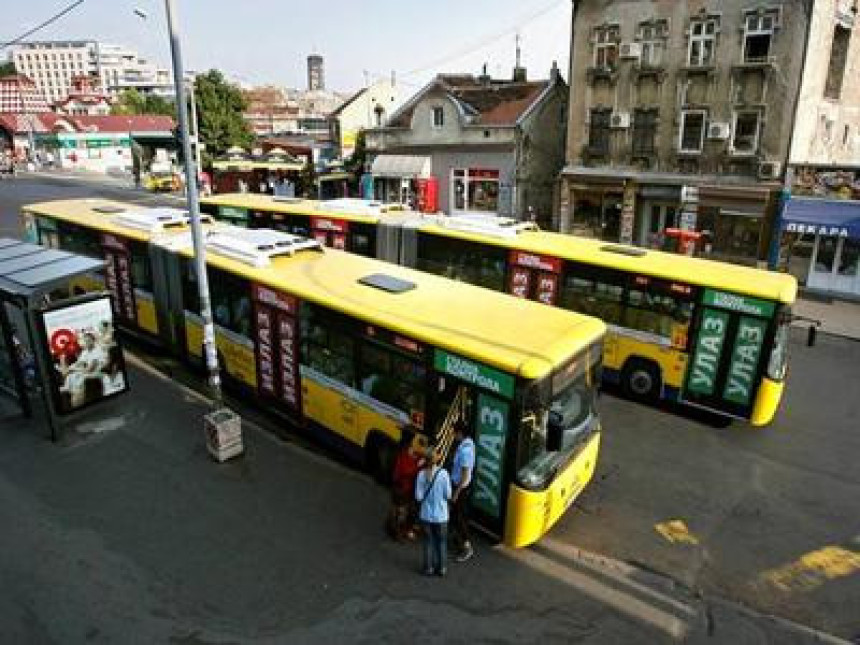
[(745, 358), (709, 348), (492, 434)]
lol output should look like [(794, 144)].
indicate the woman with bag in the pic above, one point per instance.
[(402, 513), (433, 492)]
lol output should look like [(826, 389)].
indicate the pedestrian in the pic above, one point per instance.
[(402, 514), (433, 492), (461, 479)]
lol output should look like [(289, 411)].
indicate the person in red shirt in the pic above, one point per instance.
[(402, 515)]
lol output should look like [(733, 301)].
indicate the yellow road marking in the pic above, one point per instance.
[(814, 569), (676, 532)]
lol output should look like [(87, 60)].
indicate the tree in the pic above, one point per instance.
[(219, 113), (356, 164), (7, 69), (132, 102), (308, 180)]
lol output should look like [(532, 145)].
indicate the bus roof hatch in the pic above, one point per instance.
[(491, 225), (256, 247), (156, 220)]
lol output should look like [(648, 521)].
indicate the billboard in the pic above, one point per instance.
[(85, 357)]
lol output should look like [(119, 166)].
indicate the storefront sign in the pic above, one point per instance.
[(735, 302), (535, 261), (709, 348), (474, 373), (87, 363), (483, 173), (745, 358), (817, 229), (492, 434)]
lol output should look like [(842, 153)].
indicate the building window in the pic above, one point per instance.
[(692, 130), (438, 117), (838, 58), (598, 131), (745, 137), (606, 46), (475, 190), (758, 32), (703, 40), (644, 131), (652, 36)]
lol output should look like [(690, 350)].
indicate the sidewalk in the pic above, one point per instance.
[(115, 182), (838, 317)]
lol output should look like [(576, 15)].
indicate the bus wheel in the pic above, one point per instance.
[(379, 454), (641, 380)]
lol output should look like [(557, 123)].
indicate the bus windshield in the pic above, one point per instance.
[(573, 407), (778, 362)]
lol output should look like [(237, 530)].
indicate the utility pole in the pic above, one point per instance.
[(210, 352), (194, 125)]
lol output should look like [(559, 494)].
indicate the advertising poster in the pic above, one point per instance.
[(85, 356)]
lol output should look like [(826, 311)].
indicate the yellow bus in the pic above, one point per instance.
[(703, 333), (353, 349)]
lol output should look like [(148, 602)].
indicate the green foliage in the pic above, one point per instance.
[(7, 69), (132, 102), (356, 163), (219, 113), (308, 180)]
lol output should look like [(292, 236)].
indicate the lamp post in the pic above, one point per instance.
[(209, 350)]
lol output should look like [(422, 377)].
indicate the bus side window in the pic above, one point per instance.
[(77, 239), (141, 270), (231, 302), (392, 378), (325, 348), (190, 290), (593, 292)]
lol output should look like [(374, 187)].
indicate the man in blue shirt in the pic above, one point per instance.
[(433, 492), (461, 478)]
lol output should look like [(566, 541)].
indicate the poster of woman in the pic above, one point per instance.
[(87, 363)]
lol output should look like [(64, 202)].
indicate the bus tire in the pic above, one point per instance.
[(379, 454), (641, 380)]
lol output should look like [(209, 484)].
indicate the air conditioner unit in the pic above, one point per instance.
[(769, 170), (718, 130), (630, 50), (620, 120)]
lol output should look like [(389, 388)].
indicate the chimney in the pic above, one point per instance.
[(554, 73), (519, 70), (484, 78)]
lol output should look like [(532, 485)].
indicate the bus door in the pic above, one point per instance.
[(330, 232), (118, 278), (277, 348), (727, 356), (533, 276), (482, 397)]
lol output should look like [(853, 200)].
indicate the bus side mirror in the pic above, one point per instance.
[(554, 432)]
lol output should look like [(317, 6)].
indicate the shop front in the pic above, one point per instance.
[(396, 178), (821, 244)]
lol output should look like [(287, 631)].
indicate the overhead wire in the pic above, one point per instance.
[(42, 25)]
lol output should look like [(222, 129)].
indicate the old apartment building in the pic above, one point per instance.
[(682, 114)]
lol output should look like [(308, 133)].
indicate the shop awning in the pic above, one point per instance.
[(400, 166), (822, 217)]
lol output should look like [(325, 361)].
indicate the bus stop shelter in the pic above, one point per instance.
[(30, 276)]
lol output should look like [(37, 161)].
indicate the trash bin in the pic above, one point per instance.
[(223, 434)]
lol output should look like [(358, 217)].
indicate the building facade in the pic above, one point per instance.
[(85, 98), (53, 64), (370, 107), (820, 244), (681, 117), (491, 146)]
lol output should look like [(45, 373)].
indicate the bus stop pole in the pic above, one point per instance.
[(210, 352)]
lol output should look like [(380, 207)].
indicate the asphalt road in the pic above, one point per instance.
[(132, 529)]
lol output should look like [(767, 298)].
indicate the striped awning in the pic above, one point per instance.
[(407, 166)]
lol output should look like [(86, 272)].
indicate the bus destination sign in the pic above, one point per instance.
[(474, 373), (741, 304)]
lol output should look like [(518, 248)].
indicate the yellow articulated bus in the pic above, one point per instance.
[(353, 349), (703, 333)]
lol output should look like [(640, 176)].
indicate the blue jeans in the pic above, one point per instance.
[(435, 546)]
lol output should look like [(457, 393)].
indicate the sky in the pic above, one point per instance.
[(268, 41)]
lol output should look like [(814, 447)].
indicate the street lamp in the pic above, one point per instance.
[(209, 350)]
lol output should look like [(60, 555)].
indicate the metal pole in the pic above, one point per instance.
[(210, 352), (194, 126)]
